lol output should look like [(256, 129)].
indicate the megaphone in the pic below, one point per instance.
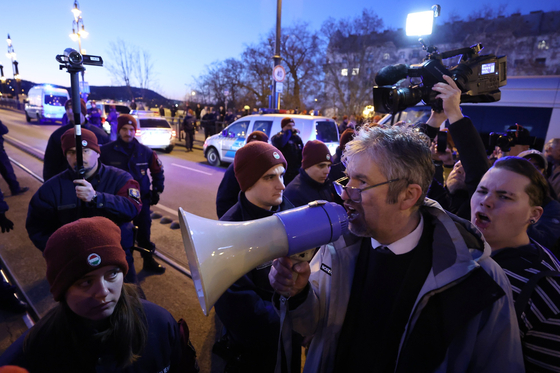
[(221, 252)]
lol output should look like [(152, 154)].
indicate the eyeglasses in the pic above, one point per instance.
[(355, 194)]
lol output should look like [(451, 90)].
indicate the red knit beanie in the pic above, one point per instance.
[(12, 369), (346, 137), (83, 108), (314, 152), (126, 119), (89, 140), (253, 160), (80, 247), (257, 136), (286, 121)]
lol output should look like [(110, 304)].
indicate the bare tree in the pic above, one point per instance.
[(301, 55), (257, 63), (351, 60), (127, 61)]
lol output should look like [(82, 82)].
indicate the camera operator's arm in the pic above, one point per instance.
[(472, 152), (434, 123)]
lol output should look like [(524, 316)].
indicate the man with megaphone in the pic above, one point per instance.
[(417, 292), (251, 323)]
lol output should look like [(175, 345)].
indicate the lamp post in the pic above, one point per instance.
[(277, 58), (12, 56), (2, 80), (79, 32)]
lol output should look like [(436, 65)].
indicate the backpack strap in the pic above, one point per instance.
[(523, 298)]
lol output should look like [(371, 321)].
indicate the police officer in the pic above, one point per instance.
[(105, 191), (94, 114), (6, 169), (291, 146), (128, 154)]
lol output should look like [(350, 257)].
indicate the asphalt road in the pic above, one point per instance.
[(190, 183)]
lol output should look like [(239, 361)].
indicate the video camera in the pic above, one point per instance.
[(478, 77), (73, 60), (515, 135)]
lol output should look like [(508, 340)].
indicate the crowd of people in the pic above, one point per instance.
[(450, 263)]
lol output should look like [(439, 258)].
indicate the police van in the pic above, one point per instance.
[(531, 101), (223, 146), (45, 102)]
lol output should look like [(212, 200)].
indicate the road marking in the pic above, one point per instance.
[(192, 169), (167, 209), (24, 144)]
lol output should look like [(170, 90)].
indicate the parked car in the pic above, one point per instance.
[(45, 102), (105, 106), (154, 131), (222, 147)]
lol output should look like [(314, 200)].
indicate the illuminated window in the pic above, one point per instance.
[(542, 45), (355, 71), (344, 72)]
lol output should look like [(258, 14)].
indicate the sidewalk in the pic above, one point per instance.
[(197, 143)]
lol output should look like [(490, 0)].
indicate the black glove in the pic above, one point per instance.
[(154, 198), (5, 223)]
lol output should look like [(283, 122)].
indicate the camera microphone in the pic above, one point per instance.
[(391, 74)]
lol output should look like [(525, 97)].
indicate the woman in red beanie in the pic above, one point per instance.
[(100, 324)]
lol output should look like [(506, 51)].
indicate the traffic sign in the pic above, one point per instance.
[(279, 74)]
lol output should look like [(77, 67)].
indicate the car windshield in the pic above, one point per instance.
[(121, 109), (154, 123), (55, 100), (326, 131)]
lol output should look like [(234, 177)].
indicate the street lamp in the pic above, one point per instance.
[(2, 80), (78, 29), (79, 32), (12, 56)]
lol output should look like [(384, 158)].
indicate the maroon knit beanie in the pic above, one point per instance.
[(126, 119), (286, 121), (257, 136), (83, 108), (80, 247), (68, 140), (253, 160), (314, 152), (346, 137)]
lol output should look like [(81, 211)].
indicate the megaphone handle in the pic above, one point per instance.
[(305, 256)]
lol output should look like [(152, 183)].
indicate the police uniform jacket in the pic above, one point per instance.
[(137, 162), (291, 146), (56, 203)]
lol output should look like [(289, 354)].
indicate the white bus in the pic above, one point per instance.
[(45, 102)]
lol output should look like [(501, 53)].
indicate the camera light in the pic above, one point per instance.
[(420, 24)]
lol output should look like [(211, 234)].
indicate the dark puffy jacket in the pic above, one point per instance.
[(54, 161), (303, 189), (136, 161), (228, 192), (246, 308), (56, 204), (162, 353)]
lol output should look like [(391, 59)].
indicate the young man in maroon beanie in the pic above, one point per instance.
[(291, 146), (54, 161), (312, 183), (129, 155), (251, 326), (228, 191), (105, 191)]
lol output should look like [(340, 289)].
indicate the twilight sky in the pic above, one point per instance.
[(183, 36)]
